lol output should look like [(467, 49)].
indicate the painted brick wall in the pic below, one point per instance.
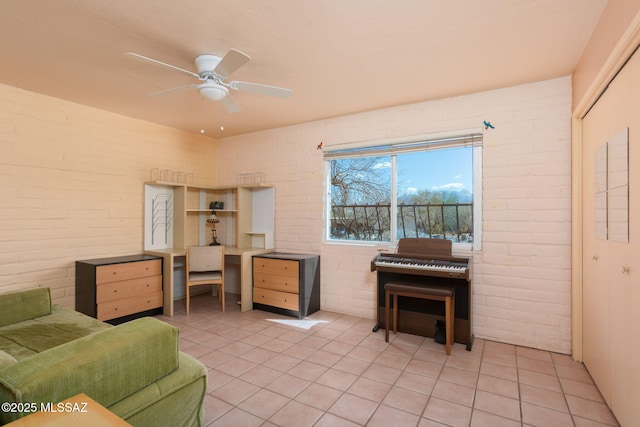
[(72, 185), (521, 278), (73, 189)]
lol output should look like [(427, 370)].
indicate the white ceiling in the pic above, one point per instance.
[(338, 56)]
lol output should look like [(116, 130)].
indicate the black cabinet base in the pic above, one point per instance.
[(124, 319), (282, 311)]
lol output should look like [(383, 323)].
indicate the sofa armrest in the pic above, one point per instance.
[(107, 366), (24, 305)]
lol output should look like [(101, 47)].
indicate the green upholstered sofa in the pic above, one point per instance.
[(49, 353)]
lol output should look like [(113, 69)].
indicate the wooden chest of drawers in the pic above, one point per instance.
[(287, 283), (119, 288)]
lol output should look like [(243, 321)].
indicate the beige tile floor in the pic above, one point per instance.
[(339, 373)]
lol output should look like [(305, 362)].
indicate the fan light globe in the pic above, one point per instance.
[(214, 92)]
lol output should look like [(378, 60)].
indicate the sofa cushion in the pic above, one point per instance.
[(24, 305), (108, 365), (6, 359), (33, 336)]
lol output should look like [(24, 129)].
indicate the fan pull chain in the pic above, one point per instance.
[(202, 114), (221, 118)]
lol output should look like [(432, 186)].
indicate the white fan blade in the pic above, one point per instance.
[(233, 60), (173, 67), (263, 89), (230, 104), (173, 89)]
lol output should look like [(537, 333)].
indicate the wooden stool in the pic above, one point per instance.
[(446, 293)]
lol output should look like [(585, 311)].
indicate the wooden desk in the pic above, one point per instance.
[(77, 411), (243, 255)]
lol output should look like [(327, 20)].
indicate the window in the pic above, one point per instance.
[(426, 188)]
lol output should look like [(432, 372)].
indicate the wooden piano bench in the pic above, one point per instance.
[(446, 293)]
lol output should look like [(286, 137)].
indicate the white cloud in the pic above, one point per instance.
[(411, 190), (383, 165), (453, 186)]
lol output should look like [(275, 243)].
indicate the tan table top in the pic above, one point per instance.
[(77, 411)]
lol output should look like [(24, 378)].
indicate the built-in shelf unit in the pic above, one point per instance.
[(176, 215)]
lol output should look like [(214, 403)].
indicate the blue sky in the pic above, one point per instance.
[(450, 169)]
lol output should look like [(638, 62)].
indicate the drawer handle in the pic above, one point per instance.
[(115, 291), (115, 272)]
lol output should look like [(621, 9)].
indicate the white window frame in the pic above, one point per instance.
[(392, 147)]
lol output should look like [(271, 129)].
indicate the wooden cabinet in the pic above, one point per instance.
[(119, 288), (287, 283)]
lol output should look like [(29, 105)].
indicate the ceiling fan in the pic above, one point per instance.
[(213, 71)]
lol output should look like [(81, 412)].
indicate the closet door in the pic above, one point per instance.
[(596, 291), (611, 274)]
